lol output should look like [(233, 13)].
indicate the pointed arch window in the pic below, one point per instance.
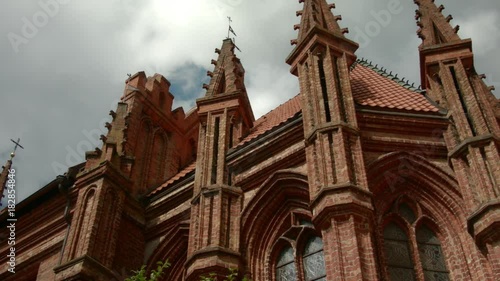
[(410, 248), (301, 257)]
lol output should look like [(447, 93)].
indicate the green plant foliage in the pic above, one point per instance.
[(156, 274)]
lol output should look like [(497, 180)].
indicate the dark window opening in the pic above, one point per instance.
[(324, 90), (231, 132), (340, 95), (462, 101), (215, 157)]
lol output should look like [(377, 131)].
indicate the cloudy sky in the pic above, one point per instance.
[(63, 63)]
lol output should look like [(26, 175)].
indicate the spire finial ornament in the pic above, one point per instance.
[(230, 29)]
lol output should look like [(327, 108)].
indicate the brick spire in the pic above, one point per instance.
[(228, 75), (439, 40), (316, 13), (435, 29), (225, 117), (337, 178), (319, 25), (227, 84), (4, 177), (449, 76)]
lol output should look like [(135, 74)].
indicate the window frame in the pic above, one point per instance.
[(298, 243), (421, 220)]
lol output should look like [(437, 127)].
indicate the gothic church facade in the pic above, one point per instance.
[(359, 177)]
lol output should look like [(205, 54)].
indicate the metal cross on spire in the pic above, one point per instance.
[(231, 30), (17, 143)]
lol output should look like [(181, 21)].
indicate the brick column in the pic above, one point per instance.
[(338, 188), (92, 241), (472, 138), (225, 115), (214, 233)]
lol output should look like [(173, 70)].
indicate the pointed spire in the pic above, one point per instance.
[(316, 13), (226, 89), (4, 176), (228, 75), (434, 27), (318, 29)]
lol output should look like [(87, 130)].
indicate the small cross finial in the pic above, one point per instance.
[(17, 144), (230, 29)]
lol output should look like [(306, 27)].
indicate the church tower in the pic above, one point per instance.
[(225, 117), (338, 188), (449, 75), (144, 146)]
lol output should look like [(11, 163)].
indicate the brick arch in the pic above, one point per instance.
[(104, 248), (437, 193), (142, 153), (173, 248), (158, 158), (267, 215), (84, 217), (394, 168)]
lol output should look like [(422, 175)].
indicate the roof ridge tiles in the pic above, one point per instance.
[(378, 87), (394, 77)]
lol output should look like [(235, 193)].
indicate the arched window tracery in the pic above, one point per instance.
[(301, 256), (313, 260), (431, 255), (411, 246)]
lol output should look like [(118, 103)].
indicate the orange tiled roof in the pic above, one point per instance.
[(373, 89), (274, 118), (188, 169), (369, 87)]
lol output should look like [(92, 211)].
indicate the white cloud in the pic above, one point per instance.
[(488, 23)]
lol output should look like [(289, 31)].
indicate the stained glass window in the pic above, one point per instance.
[(431, 255), (314, 260), (285, 267), (397, 252), (401, 249)]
